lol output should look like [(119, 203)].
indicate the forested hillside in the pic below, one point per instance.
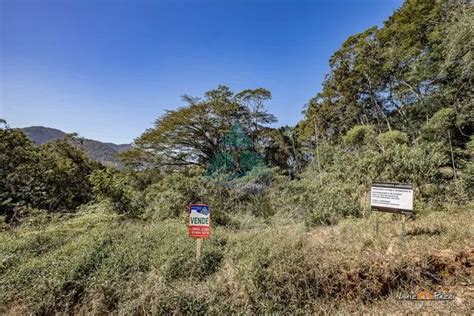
[(105, 153), (292, 227)]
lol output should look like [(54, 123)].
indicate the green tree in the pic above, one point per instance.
[(117, 189), (51, 176), (398, 76), (191, 135), (257, 117), (457, 68), (236, 155), (285, 150)]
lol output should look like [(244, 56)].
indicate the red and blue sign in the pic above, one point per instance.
[(199, 221)]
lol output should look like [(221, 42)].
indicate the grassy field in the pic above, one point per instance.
[(98, 262)]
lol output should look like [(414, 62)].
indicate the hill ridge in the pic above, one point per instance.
[(105, 153)]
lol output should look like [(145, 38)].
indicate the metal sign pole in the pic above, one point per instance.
[(376, 226), (402, 234)]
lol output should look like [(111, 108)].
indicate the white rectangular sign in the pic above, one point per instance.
[(396, 196)]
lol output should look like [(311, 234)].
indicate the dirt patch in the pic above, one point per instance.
[(446, 267)]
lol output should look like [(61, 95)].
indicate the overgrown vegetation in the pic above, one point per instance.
[(95, 262), (51, 177), (292, 225)]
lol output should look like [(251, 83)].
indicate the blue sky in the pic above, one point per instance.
[(108, 68)]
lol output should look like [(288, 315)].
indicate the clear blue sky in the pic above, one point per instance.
[(106, 69)]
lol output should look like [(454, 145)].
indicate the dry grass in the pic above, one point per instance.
[(99, 263)]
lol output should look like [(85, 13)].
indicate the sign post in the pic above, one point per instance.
[(393, 198), (199, 226), (198, 248)]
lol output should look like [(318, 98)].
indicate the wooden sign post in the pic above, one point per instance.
[(199, 226), (198, 248)]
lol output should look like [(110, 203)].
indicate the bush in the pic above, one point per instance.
[(307, 200), (342, 188), (335, 201), (115, 187), (95, 263), (360, 135), (170, 197), (439, 125), (392, 138), (53, 177)]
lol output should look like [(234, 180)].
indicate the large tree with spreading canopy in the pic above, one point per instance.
[(192, 134)]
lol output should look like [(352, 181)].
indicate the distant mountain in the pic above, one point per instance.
[(105, 153)]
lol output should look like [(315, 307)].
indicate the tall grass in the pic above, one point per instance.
[(99, 262)]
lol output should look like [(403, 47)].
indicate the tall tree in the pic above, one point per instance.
[(410, 40), (191, 135), (236, 155), (258, 117), (457, 68), (400, 75)]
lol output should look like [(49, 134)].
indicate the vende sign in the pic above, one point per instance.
[(199, 221), (392, 197)]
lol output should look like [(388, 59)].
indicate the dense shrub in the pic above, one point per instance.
[(171, 196), (359, 135), (341, 187), (53, 176), (392, 138), (99, 263), (308, 200), (116, 188)]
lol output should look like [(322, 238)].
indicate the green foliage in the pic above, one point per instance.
[(115, 187), (326, 203), (285, 150), (170, 197), (236, 156), (399, 75), (458, 65), (333, 204), (442, 130), (440, 125), (392, 138), (347, 171), (192, 134), (360, 135), (97, 262), (396, 106), (51, 177)]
